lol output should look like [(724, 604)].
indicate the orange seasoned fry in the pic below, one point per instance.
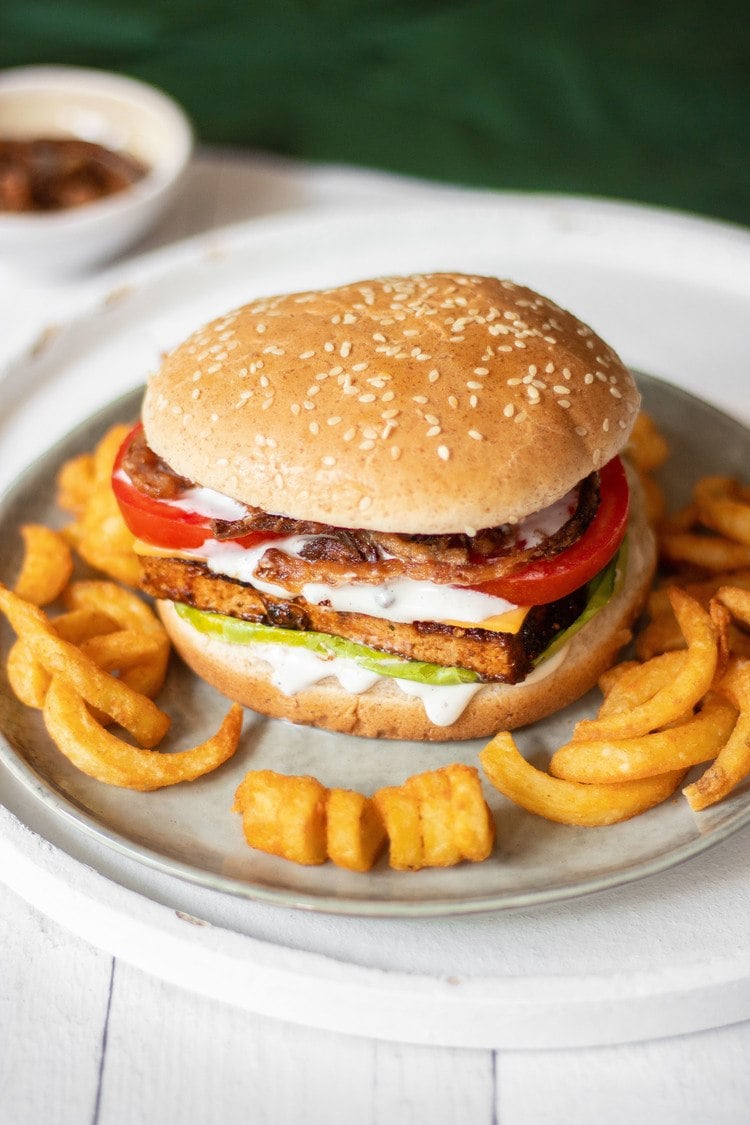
[(132, 614), (400, 813), (732, 764), (697, 740), (282, 815), (674, 699), (640, 682), (355, 833), (129, 708), (647, 447), (724, 505), (96, 752), (26, 676), (737, 602), (706, 552), (75, 482), (47, 565), (570, 802)]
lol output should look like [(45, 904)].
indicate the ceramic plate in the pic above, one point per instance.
[(190, 831), (669, 293)]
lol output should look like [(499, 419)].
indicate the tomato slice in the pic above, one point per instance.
[(546, 580), (160, 522)]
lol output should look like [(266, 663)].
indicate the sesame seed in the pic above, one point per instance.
[(581, 431), (588, 378), (561, 390), (475, 434), (473, 400), (614, 392), (306, 355), (345, 349), (365, 446), (350, 434), (360, 367), (509, 410), (564, 402), (443, 452), (334, 420), (392, 413), (295, 408), (329, 461), (452, 402), (388, 396), (314, 428), (433, 431), (433, 375), (329, 347), (485, 370), (364, 503), (366, 398), (431, 419), (395, 452), (417, 398)]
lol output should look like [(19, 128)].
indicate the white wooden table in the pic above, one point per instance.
[(86, 1037)]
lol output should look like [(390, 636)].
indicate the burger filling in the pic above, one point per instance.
[(430, 609)]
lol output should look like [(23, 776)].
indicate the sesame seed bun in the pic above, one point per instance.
[(427, 404), (384, 711)]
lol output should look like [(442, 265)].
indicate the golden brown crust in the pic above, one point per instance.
[(428, 404), (386, 712)]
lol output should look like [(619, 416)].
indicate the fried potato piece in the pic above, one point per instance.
[(647, 447), (674, 699), (99, 754), (688, 744), (570, 802), (400, 813), (282, 815), (706, 552), (737, 601), (437, 819), (27, 678), (724, 506), (637, 683), (47, 565), (132, 710), (129, 611), (75, 482), (732, 764), (100, 534), (355, 833)]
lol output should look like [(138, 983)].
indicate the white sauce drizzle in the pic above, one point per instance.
[(297, 669), (402, 599)]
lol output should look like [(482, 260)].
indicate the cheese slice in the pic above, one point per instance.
[(509, 622), (148, 550)]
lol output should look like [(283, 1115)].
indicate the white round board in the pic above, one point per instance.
[(671, 294)]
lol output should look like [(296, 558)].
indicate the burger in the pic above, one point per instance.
[(394, 508)]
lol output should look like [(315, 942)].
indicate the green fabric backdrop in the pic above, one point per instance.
[(646, 101)]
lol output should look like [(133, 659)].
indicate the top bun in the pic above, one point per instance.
[(428, 404)]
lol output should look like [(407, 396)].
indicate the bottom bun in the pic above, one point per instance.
[(385, 711)]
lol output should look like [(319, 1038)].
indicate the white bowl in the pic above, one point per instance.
[(108, 109)]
